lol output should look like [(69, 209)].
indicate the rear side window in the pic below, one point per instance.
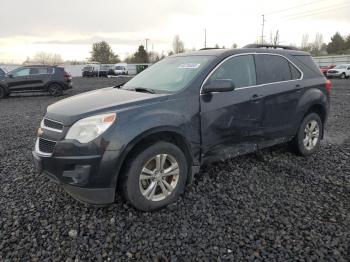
[(2, 73), (307, 65), (40, 71), (295, 72), (240, 69), (272, 68)]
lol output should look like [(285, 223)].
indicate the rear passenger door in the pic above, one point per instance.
[(280, 82), (39, 77)]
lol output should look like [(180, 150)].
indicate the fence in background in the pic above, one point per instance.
[(332, 60)]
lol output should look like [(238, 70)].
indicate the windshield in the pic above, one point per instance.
[(119, 68), (87, 68), (169, 75), (340, 67)]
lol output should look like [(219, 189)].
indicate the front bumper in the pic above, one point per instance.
[(87, 178)]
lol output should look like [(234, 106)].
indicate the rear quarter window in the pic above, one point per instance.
[(307, 65), (272, 68)]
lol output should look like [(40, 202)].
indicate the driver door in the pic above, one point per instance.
[(230, 121), (19, 80)]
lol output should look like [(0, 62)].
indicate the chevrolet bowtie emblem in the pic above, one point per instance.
[(40, 131)]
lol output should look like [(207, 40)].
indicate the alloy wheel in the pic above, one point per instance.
[(159, 177), (311, 134)]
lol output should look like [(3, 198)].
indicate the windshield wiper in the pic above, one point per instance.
[(144, 90), (118, 86)]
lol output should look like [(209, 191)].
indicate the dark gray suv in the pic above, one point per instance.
[(149, 137), (36, 78)]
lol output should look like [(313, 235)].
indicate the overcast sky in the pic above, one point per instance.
[(69, 27)]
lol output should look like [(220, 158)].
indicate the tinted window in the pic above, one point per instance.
[(21, 72), (40, 71), (272, 68), (295, 72), (307, 65), (240, 69), (2, 73)]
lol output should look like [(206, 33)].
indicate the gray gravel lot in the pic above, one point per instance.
[(271, 205)]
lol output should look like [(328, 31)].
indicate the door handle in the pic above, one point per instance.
[(255, 97), (298, 87)]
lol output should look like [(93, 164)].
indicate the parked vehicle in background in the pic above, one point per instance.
[(324, 69), (90, 71), (340, 71), (120, 69), (104, 70), (36, 78), (148, 138), (2, 72)]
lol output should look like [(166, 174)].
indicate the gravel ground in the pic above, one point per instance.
[(271, 205)]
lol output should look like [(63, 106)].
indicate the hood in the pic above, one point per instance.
[(107, 99)]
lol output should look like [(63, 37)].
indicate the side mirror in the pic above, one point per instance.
[(9, 75), (219, 85)]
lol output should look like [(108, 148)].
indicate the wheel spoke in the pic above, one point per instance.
[(166, 184), (145, 170), (313, 126), (149, 193), (173, 167), (164, 190)]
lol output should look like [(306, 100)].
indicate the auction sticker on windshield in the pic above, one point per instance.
[(189, 65)]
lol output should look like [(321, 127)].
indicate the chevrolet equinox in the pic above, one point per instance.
[(147, 138)]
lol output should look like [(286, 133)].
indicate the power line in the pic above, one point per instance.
[(313, 12), (293, 7)]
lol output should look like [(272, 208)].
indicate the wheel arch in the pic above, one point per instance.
[(149, 137)]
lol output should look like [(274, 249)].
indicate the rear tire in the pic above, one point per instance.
[(342, 76), (3, 93), (155, 176), (55, 90), (307, 140)]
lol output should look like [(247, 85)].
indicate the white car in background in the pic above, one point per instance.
[(340, 71), (120, 69)]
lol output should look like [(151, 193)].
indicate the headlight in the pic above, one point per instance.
[(87, 129)]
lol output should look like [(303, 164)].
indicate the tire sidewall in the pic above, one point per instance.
[(132, 190), (2, 92), (306, 120)]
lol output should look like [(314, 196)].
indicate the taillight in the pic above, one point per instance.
[(67, 75), (328, 86)]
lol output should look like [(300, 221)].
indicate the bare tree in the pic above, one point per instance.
[(317, 44), (178, 45), (275, 38), (45, 58), (305, 45)]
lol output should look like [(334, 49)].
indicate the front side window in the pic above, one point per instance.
[(239, 69), (272, 68), (170, 74), (21, 72)]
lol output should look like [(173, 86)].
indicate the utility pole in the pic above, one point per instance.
[(205, 38), (262, 29), (147, 45)]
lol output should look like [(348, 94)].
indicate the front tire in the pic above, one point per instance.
[(342, 76), (307, 140), (155, 176), (55, 90)]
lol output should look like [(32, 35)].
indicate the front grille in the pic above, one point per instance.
[(46, 146), (53, 124)]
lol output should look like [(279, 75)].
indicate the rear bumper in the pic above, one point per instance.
[(73, 174)]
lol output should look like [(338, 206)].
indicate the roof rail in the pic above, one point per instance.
[(271, 46), (210, 48)]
